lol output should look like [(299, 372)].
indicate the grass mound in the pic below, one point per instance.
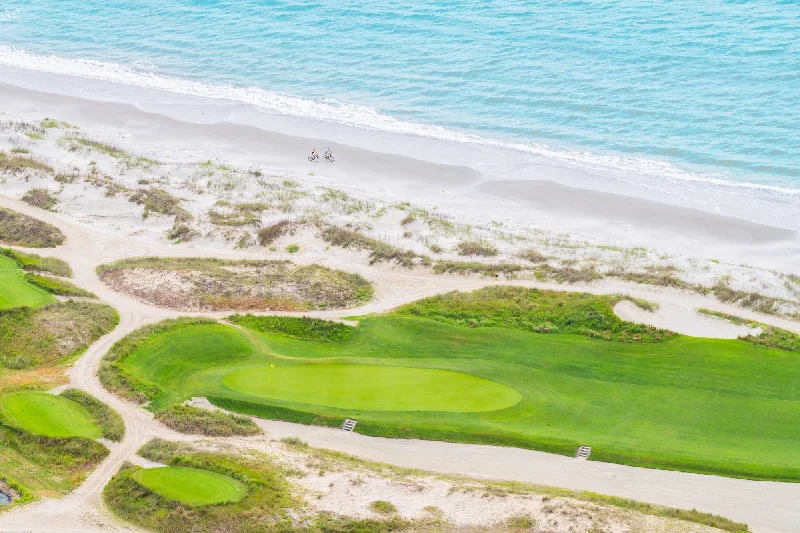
[(373, 388), (51, 334), (37, 263), (196, 421), (111, 424), (703, 405), (297, 327), (191, 486), (536, 310), (17, 229), (47, 415), (57, 286), (16, 290), (40, 198), (215, 284), (259, 509)]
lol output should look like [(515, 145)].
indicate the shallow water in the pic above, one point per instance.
[(4, 498), (697, 93)]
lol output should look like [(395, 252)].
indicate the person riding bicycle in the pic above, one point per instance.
[(314, 154), (328, 153)]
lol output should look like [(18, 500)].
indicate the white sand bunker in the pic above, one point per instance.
[(684, 320)]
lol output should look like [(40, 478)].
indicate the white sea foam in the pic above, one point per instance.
[(369, 118)]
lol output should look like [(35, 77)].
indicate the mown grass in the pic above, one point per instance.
[(17, 229), (635, 394), (40, 198), (57, 286), (48, 415), (196, 421), (15, 291), (267, 508), (51, 334), (297, 327), (216, 284), (110, 421), (37, 263)]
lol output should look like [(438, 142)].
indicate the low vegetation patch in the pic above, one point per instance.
[(17, 163), (476, 267), (40, 198), (536, 310), (770, 336), (110, 421), (75, 143), (216, 284), (245, 214), (297, 327), (196, 421), (269, 234), (533, 256), (383, 507), (57, 286), (17, 229), (36, 263), (53, 333), (379, 251), (479, 248)]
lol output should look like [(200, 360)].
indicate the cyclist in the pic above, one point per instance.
[(314, 154)]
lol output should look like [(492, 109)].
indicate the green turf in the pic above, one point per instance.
[(47, 415), (706, 405), (191, 486), (373, 388), (15, 291)]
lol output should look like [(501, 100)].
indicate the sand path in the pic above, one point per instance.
[(767, 506)]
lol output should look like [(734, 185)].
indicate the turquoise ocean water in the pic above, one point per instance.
[(705, 92)]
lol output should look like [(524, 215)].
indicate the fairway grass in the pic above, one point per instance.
[(717, 406), (374, 388), (191, 486), (15, 291), (47, 415)]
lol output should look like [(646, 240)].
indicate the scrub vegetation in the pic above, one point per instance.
[(196, 421), (215, 284), (40, 198), (17, 229), (37, 263), (637, 395), (57, 286)]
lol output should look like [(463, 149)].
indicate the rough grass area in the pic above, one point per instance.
[(37, 263), (110, 421), (379, 251), (446, 266), (15, 291), (297, 327), (129, 160), (40, 198), (269, 234), (158, 201), (630, 394), (536, 310), (17, 229), (196, 421), (244, 214), (218, 285), (268, 506), (57, 286), (479, 248), (46, 467), (770, 336), (16, 163), (51, 334)]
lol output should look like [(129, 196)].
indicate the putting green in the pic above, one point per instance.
[(15, 291), (47, 415), (374, 388), (191, 485)]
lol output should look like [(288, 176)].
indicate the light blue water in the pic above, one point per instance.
[(712, 86)]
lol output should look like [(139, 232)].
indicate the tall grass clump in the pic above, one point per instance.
[(196, 421), (297, 327), (37, 263), (17, 229)]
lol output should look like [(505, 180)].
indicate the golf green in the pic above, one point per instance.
[(191, 486), (47, 415), (374, 388), (15, 291)]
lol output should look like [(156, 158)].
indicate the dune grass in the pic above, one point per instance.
[(57, 286), (47, 415), (196, 421), (16, 290), (37, 263), (17, 229), (640, 397), (191, 486)]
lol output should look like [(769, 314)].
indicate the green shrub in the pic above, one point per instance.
[(195, 421), (57, 286), (293, 248), (383, 507), (111, 423), (298, 327), (36, 263), (541, 311)]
